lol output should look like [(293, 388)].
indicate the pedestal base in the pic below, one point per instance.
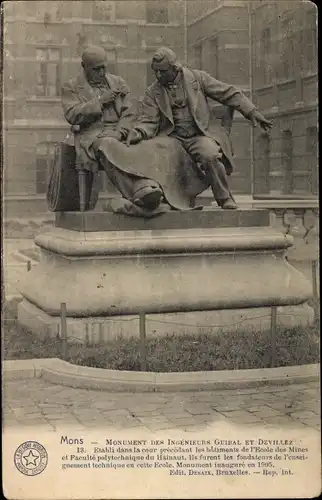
[(219, 268)]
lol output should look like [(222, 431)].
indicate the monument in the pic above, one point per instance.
[(187, 270)]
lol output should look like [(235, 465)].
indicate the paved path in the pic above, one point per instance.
[(51, 407)]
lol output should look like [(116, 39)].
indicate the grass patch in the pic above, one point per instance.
[(233, 351)]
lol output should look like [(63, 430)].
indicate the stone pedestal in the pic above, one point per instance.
[(188, 271)]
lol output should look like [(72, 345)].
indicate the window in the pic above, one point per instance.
[(262, 164), (45, 11), (52, 14), (311, 40), (287, 160), (198, 56), (312, 152), (111, 60), (81, 42), (300, 52), (265, 55), (206, 56), (48, 72), (103, 10), (266, 41), (150, 75), (157, 11), (288, 49), (214, 67), (44, 158), (111, 67)]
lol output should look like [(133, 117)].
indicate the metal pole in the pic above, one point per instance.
[(250, 41), (142, 342), (315, 290), (86, 334), (63, 330), (185, 33), (101, 333), (273, 335)]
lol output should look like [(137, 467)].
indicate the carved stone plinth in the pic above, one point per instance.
[(208, 268)]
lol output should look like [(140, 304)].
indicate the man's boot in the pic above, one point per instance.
[(219, 185), (147, 193), (229, 204)]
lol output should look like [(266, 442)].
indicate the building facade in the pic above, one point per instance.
[(285, 86), (269, 50), (266, 48), (42, 46)]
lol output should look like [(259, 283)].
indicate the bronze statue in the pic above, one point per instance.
[(175, 105), (188, 148)]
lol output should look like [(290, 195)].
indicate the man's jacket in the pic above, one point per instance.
[(157, 119), (83, 111)]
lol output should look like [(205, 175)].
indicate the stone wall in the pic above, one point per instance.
[(300, 219)]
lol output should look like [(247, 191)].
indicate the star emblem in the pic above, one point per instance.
[(31, 458)]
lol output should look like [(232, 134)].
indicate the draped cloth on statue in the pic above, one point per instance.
[(161, 159)]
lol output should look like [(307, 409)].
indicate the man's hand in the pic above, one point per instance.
[(108, 96), (134, 137), (257, 117), (124, 133), (123, 90)]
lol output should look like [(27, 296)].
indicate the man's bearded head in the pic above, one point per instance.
[(94, 63), (165, 66)]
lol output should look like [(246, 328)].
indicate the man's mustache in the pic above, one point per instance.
[(162, 78)]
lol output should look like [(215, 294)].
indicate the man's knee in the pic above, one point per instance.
[(213, 161), (211, 153)]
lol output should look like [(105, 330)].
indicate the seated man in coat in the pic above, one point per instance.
[(175, 105), (98, 106)]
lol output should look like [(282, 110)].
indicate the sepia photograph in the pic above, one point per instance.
[(160, 249)]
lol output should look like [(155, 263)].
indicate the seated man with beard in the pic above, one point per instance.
[(176, 106), (98, 106)]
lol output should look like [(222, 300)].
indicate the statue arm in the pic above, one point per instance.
[(226, 94), (149, 120), (77, 112)]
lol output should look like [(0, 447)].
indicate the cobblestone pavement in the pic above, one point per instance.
[(51, 407)]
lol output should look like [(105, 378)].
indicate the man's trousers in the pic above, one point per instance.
[(208, 153)]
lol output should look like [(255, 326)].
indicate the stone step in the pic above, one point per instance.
[(202, 219)]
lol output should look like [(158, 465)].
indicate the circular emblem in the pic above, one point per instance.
[(31, 458)]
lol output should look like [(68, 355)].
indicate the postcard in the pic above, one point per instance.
[(160, 331)]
